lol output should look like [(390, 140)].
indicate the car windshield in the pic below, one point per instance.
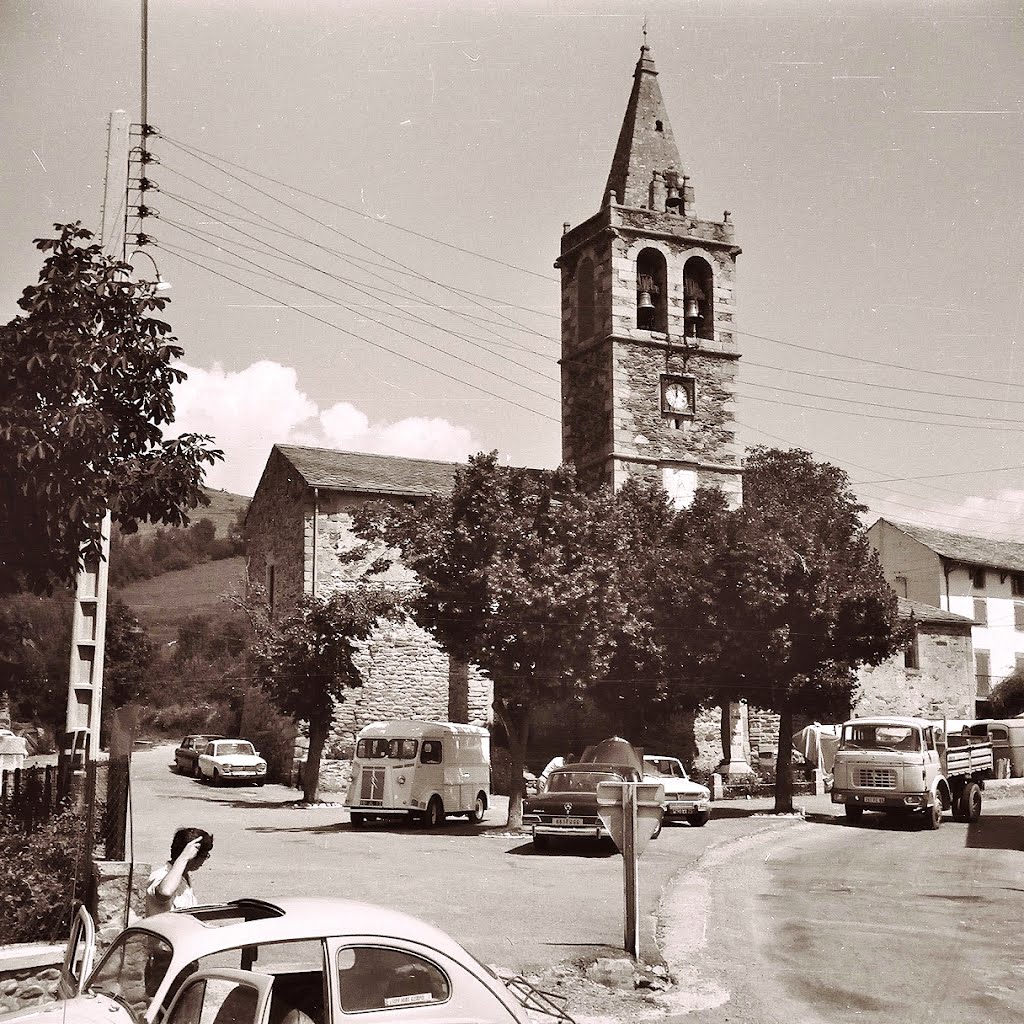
[(579, 782), (132, 971), (884, 736), (664, 768), (234, 747)]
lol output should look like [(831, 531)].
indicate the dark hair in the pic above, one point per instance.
[(184, 836)]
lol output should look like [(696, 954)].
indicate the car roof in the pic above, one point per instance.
[(209, 929), (416, 728), (891, 720), (593, 766)]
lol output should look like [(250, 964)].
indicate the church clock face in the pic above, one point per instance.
[(677, 396)]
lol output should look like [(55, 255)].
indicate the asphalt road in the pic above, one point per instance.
[(762, 919), (490, 890)]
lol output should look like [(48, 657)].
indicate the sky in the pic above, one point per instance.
[(360, 204)]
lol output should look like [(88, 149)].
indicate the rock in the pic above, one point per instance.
[(612, 973)]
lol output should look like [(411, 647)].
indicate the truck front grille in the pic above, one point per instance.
[(875, 778), (371, 787)]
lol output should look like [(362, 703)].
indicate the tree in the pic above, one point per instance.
[(85, 390), (308, 660), (794, 598), (128, 656), (521, 573), (1007, 697)]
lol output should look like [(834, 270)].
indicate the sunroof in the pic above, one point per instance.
[(236, 912)]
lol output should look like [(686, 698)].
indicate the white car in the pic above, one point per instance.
[(294, 961), (231, 761), (684, 798)]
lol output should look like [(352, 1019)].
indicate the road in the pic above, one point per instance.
[(762, 919)]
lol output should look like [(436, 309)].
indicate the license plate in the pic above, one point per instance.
[(874, 799), (566, 821)]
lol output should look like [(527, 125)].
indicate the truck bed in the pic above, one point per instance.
[(967, 755)]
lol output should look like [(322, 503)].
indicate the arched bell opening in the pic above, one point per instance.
[(651, 291), (698, 299)]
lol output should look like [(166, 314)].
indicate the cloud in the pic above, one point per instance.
[(250, 410)]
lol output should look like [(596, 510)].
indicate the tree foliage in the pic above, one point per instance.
[(792, 599), (86, 374), (1007, 697), (526, 575), (308, 659)]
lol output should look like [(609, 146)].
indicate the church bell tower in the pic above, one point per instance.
[(649, 358)]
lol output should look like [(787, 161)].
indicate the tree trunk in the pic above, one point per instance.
[(784, 762), (318, 731), (517, 728)]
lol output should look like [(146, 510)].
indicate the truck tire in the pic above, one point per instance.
[(853, 811), (970, 803), (433, 816), (933, 814), (959, 807)]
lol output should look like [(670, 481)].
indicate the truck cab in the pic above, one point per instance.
[(910, 765)]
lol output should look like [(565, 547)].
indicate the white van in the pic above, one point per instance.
[(425, 770)]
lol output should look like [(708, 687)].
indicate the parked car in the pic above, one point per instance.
[(293, 961), (186, 755), (231, 761), (684, 798)]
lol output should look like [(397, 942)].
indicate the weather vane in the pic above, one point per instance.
[(645, 31)]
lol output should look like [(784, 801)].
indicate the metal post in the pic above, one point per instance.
[(629, 872)]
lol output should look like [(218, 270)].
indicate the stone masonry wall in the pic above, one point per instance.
[(29, 974)]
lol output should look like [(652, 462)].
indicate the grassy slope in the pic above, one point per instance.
[(221, 511)]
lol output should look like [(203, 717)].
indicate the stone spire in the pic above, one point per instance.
[(646, 144)]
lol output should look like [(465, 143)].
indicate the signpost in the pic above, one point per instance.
[(631, 811)]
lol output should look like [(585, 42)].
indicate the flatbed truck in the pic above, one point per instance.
[(910, 765)]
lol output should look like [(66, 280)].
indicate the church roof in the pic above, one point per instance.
[(983, 551), (373, 474), (646, 143)]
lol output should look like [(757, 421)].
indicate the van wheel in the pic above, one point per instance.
[(970, 803), (854, 812), (479, 809), (433, 816)]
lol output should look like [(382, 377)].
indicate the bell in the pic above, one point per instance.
[(692, 311), (644, 302), (673, 202)]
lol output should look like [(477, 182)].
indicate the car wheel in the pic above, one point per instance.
[(933, 814), (260, 782), (479, 809), (971, 802), (854, 812), (216, 779), (541, 842), (433, 816), (357, 819), (698, 818)]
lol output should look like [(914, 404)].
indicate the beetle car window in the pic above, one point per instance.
[(132, 970), (431, 752), (377, 978), (216, 1001)]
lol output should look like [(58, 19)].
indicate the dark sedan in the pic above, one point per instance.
[(186, 756), (568, 807)]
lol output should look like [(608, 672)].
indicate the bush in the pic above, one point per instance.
[(1007, 698), (41, 877)]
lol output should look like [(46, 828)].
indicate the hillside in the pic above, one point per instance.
[(222, 511), (163, 602)]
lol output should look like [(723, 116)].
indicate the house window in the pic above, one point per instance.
[(912, 653), (1018, 616), (977, 577), (980, 611), (1017, 584), (982, 672), (900, 586)]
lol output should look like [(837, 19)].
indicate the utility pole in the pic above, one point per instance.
[(89, 620)]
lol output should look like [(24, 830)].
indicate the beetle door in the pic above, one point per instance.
[(222, 996), (79, 955)]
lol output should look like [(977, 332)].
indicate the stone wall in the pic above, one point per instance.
[(29, 974)]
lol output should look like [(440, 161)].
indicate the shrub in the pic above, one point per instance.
[(41, 877)]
